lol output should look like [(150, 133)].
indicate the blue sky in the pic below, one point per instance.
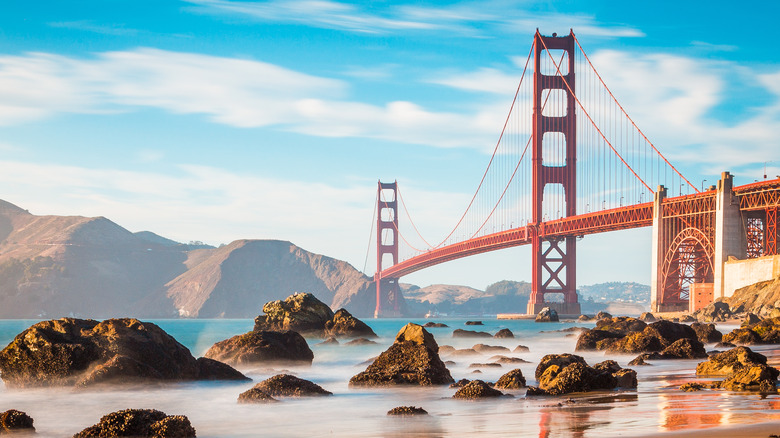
[(216, 120)]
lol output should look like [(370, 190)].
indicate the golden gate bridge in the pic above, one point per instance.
[(570, 162)]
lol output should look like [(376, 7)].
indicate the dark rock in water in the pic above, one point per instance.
[(477, 389), (286, 385), (729, 362), (506, 359), (547, 315), (488, 349), (476, 372), (595, 340), (511, 380), (449, 363), (714, 312), (331, 340), (255, 395), (609, 366), (346, 325), (435, 325), (639, 361), (653, 338), (444, 349), (602, 315), (750, 319), (474, 323), (742, 336), (262, 346), (211, 369), (759, 377), (81, 352), (504, 333), (140, 423), (460, 383), (360, 341), (566, 373), (647, 317), (766, 331), (305, 314), (15, 421), (485, 365), (407, 410), (521, 349), (706, 333), (687, 318), (680, 349), (691, 386), (584, 318), (460, 333), (464, 352), (621, 325), (412, 359), (724, 345)]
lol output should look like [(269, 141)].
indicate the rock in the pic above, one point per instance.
[(766, 331), (255, 395), (286, 385), (262, 346), (592, 340), (742, 336), (300, 312), (360, 341), (412, 359), (476, 372), (71, 351), (750, 319), (560, 360), (331, 340), (474, 323), (725, 345), (621, 325), (444, 349), (465, 352), (140, 423), (626, 378), (758, 377), (477, 389), (508, 360), (609, 366), (485, 365), (584, 318), (345, 325), (729, 362), (511, 380), (639, 361), (435, 325), (687, 318), (602, 315), (547, 315), (460, 333), (706, 333), (691, 386), (15, 421), (504, 333), (488, 349), (521, 349), (460, 383), (647, 317), (714, 312), (684, 349), (407, 410), (653, 338)]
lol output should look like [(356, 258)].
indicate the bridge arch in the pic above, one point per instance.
[(689, 259)]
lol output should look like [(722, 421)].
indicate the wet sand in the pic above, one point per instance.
[(730, 431)]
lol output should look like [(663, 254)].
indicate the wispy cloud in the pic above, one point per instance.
[(468, 19), (90, 26)]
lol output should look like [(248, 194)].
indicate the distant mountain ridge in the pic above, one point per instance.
[(53, 266)]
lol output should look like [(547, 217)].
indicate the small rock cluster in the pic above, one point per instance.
[(566, 373), (743, 368), (281, 385), (140, 423), (305, 314), (12, 421)]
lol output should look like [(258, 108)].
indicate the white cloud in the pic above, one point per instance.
[(487, 80)]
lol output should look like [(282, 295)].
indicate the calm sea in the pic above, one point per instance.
[(656, 406)]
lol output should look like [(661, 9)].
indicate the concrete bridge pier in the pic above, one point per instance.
[(730, 235)]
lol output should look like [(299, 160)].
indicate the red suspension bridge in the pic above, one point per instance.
[(570, 162)]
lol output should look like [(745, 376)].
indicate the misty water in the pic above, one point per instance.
[(657, 405)]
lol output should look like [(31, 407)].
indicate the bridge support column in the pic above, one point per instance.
[(387, 289), (730, 234), (658, 250)]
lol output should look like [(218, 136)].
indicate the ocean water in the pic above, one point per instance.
[(655, 406)]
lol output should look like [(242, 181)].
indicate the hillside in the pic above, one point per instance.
[(759, 298), (53, 266)]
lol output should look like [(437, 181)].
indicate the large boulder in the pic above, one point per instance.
[(71, 351), (629, 335), (262, 346), (407, 410), (343, 324), (566, 373), (622, 325), (477, 389), (680, 349), (511, 380), (285, 385), (460, 333), (12, 421), (766, 331), (714, 312), (760, 377), (729, 362), (140, 423), (648, 317), (707, 333), (412, 359), (305, 314), (592, 340), (547, 315)]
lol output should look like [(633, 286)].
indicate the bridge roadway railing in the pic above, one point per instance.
[(622, 218), (759, 195)]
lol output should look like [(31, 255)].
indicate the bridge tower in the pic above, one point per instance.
[(387, 289), (554, 259)]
